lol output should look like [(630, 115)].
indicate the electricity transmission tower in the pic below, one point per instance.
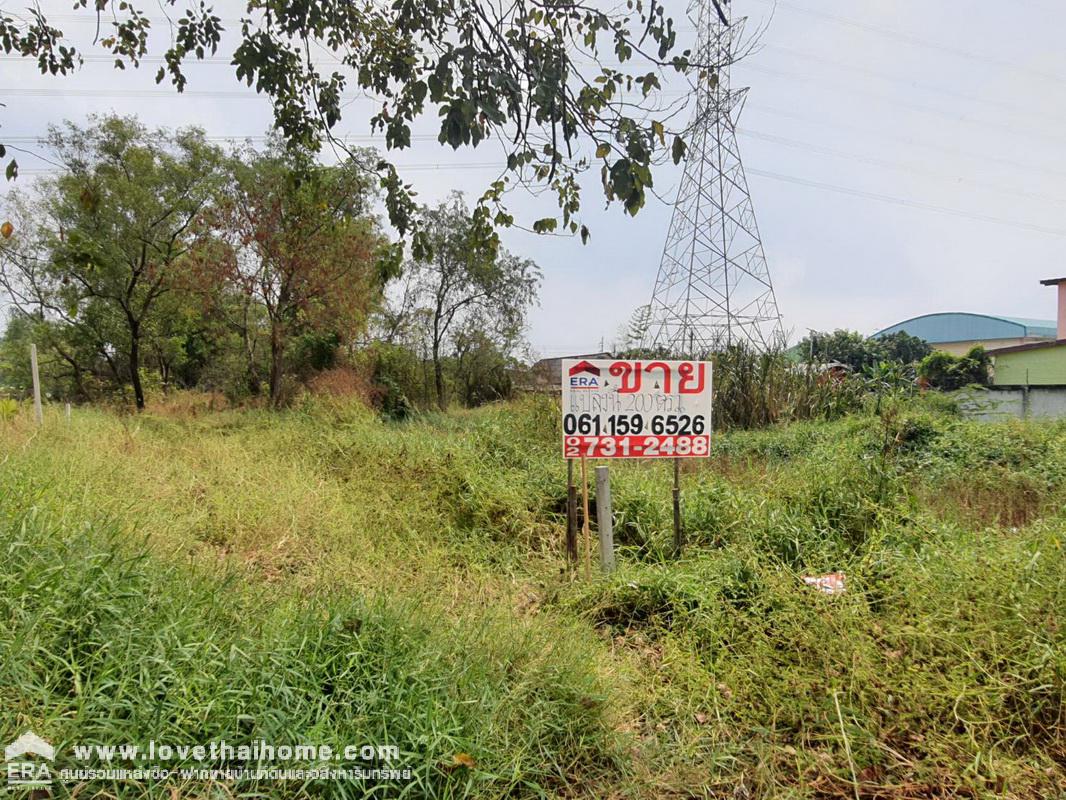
[(713, 288)]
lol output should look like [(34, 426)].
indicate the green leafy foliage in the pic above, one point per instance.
[(292, 244), (902, 348), (154, 262), (859, 352), (101, 243), (942, 370), (467, 299), (519, 72)]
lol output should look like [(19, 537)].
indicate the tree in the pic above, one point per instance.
[(15, 377), (632, 335), (100, 244), (468, 284), (482, 369), (182, 341), (846, 347), (530, 74), (942, 370), (903, 348), (71, 367), (859, 352), (291, 244)]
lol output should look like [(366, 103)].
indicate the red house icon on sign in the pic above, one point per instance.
[(584, 366)]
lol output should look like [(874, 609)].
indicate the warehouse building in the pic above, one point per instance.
[(956, 332)]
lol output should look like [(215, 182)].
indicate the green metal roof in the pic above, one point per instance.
[(963, 326), (1034, 324)]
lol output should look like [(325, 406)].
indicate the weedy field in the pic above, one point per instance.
[(321, 576)]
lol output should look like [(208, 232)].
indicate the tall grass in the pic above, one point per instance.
[(104, 644), (323, 575), (753, 389)]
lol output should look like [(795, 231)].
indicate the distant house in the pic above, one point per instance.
[(1035, 363), (957, 331), (546, 375), (832, 369)]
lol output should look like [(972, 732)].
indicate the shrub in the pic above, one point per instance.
[(754, 389), (941, 370), (8, 409), (859, 352)]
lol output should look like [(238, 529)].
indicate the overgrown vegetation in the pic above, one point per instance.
[(943, 370), (320, 574), (754, 389), (154, 261), (468, 299), (859, 352)]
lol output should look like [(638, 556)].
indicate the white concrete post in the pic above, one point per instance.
[(38, 412), (604, 518)]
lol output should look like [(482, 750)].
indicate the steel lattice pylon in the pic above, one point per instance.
[(713, 288)]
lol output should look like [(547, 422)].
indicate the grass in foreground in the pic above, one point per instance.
[(323, 577)]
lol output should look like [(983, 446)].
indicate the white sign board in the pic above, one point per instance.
[(615, 408)]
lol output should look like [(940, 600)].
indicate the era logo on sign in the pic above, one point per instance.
[(584, 375)]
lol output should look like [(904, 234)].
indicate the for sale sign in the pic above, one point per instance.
[(616, 408)]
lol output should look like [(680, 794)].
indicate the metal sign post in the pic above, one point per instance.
[(585, 518), (678, 541), (571, 514)]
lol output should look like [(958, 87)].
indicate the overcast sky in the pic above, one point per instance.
[(904, 157)]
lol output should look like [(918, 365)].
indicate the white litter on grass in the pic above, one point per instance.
[(833, 583)]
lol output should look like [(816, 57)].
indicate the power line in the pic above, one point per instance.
[(91, 58), (908, 203), (848, 69), (916, 41), (226, 94), (362, 139), (922, 109), (249, 94), (400, 167), (895, 165), (90, 19), (852, 69), (880, 30), (777, 176), (1041, 169)]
